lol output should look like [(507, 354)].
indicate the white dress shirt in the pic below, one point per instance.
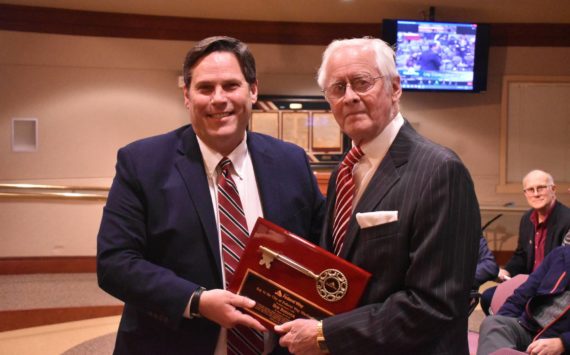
[(374, 153), (242, 174)]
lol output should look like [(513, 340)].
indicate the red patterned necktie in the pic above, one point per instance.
[(233, 228), (344, 197)]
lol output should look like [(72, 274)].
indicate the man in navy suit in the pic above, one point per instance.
[(159, 245), (414, 224)]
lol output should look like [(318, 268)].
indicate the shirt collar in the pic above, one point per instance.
[(534, 215), (376, 149), (212, 158)]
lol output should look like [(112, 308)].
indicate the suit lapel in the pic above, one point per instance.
[(265, 171), (190, 165), (383, 180)]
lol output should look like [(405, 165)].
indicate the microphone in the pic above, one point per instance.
[(491, 221)]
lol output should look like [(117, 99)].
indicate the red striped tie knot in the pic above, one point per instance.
[(224, 165), (353, 156)]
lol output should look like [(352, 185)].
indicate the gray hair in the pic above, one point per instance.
[(385, 57)]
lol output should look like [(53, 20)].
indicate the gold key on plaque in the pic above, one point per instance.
[(331, 284)]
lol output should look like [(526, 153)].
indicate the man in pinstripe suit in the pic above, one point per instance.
[(415, 223)]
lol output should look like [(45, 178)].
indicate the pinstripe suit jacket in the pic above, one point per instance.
[(423, 264)]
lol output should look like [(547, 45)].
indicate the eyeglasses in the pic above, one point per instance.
[(529, 191), (359, 85)]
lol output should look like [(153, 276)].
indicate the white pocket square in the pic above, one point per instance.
[(376, 218)]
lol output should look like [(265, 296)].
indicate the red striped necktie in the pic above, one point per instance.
[(233, 228), (344, 197)]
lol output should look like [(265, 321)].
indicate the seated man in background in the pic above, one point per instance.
[(542, 229), (536, 318)]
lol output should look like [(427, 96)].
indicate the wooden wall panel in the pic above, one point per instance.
[(47, 265), (91, 23), (18, 319)]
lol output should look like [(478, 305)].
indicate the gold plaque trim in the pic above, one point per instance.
[(284, 290)]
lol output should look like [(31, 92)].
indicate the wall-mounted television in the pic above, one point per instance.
[(439, 56)]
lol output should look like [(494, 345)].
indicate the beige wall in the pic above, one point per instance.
[(93, 95)]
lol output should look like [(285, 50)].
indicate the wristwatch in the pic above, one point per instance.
[(195, 302), (321, 338)]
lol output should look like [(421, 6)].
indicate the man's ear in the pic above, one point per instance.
[(253, 92), (186, 98), (396, 89)]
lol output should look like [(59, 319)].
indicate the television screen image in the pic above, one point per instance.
[(439, 56)]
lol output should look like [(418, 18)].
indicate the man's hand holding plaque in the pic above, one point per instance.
[(291, 278)]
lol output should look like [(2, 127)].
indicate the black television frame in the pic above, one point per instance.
[(481, 60)]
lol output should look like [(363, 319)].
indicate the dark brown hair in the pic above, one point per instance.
[(220, 44)]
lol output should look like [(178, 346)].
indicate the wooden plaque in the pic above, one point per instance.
[(291, 278)]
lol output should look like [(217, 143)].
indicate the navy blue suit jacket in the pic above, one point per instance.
[(550, 279), (422, 265), (158, 239), (487, 268)]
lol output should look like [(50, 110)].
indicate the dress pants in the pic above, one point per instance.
[(498, 332), (486, 298)]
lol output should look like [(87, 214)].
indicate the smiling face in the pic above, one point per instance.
[(361, 116), (540, 191), (220, 100)]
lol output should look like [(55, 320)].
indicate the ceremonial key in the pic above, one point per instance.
[(331, 284)]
